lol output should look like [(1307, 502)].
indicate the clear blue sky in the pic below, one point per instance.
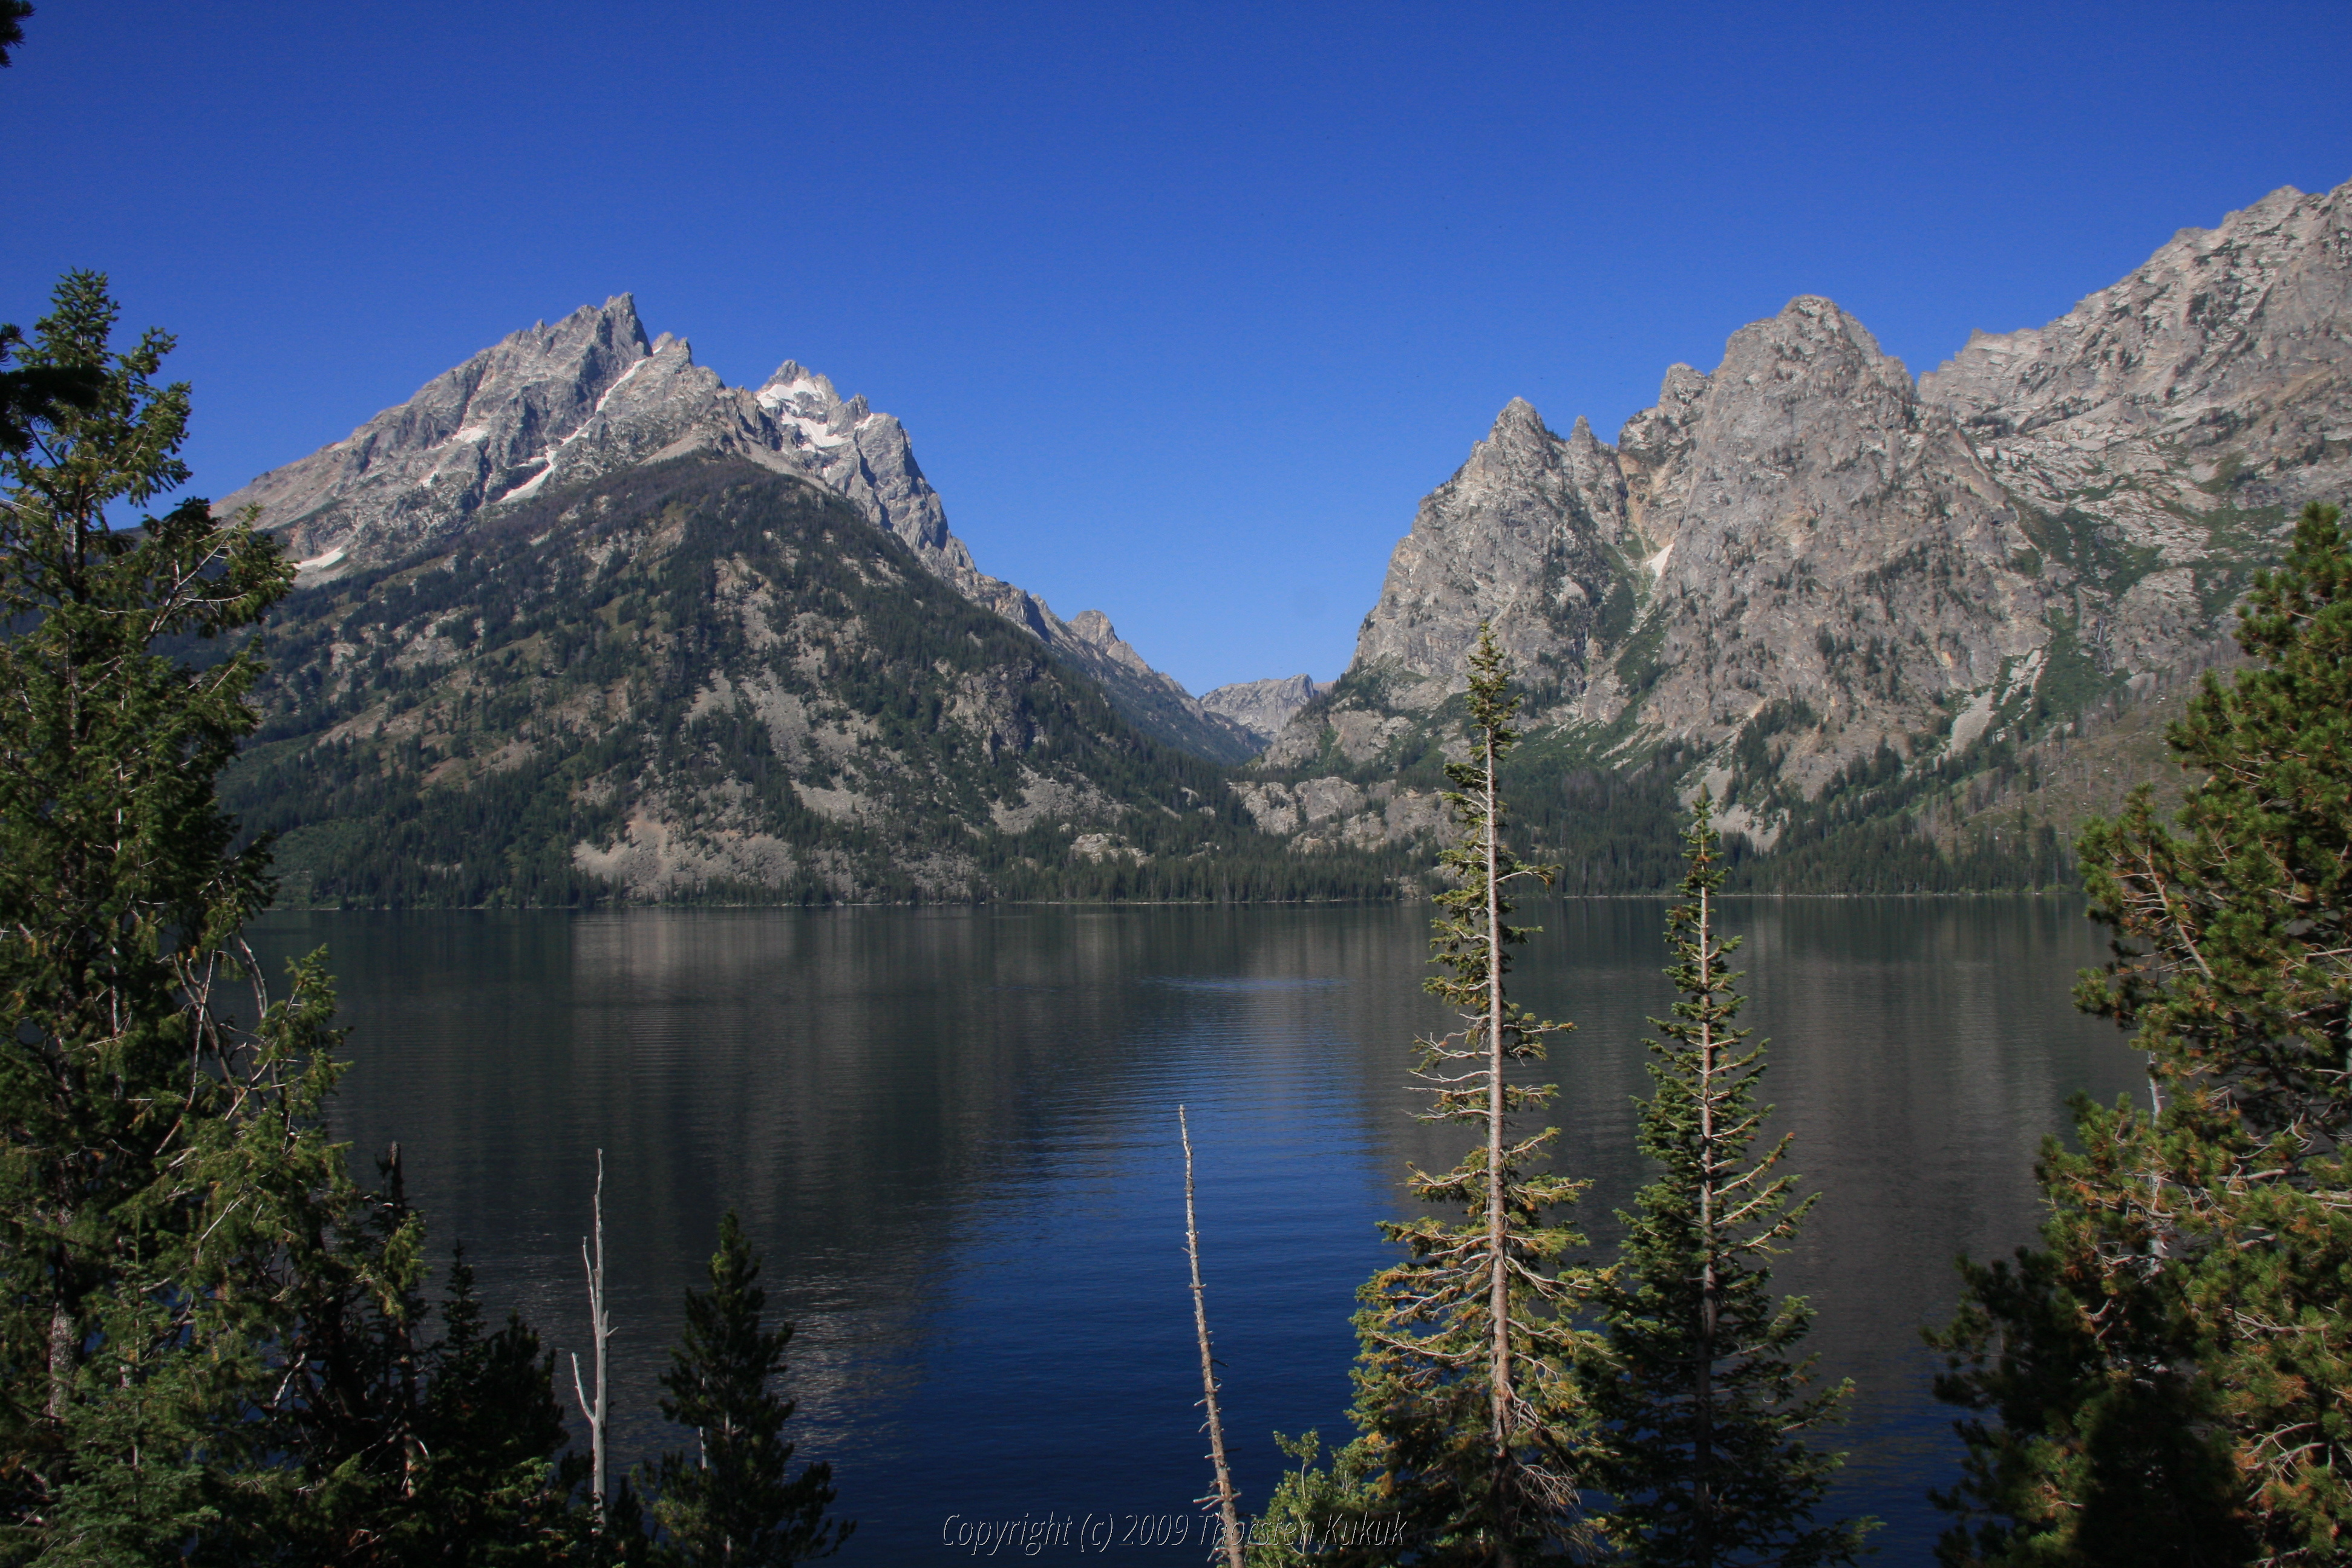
[(1186, 305)]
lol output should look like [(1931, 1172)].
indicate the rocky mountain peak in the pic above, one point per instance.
[(1523, 536), (1796, 487), (1812, 349), (1823, 567), (2173, 422), (589, 396), (1651, 453), (1519, 425), (1093, 628), (1518, 443)]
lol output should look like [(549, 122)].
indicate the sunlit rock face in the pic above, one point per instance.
[(1806, 559), (1262, 707)]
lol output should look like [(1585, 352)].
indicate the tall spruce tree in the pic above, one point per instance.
[(1464, 1394), (129, 1094), (1699, 1397), (2167, 1378), (733, 1502), (208, 1328)]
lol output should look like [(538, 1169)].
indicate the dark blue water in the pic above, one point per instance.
[(954, 1135)]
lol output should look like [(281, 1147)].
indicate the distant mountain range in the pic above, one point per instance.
[(1880, 619)]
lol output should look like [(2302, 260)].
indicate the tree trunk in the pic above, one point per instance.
[(63, 1343), (1703, 1409), (1228, 1515), (600, 1328), (1499, 1292)]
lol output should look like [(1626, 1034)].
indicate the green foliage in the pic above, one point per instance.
[(2175, 1349), (2094, 548), (1464, 1395), (1697, 1394), (207, 1328), (11, 28), (732, 1502), (1317, 1512), (119, 906)]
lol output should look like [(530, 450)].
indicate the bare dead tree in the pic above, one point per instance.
[(600, 1329), (1224, 1497)]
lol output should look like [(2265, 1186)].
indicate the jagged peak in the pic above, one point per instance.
[(619, 311), (1518, 430), (1582, 442), (1681, 386), (1810, 328), (1818, 315), (795, 380), (1094, 627), (1518, 414)]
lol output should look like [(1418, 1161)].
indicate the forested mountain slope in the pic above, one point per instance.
[(701, 678)]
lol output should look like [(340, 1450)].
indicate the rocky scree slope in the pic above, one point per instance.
[(1827, 592), (559, 404), (704, 680)]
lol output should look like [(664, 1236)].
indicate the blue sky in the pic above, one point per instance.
[(1184, 306)]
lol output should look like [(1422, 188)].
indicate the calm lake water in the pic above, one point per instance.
[(954, 1135)]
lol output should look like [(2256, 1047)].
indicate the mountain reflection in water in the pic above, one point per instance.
[(952, 1132)]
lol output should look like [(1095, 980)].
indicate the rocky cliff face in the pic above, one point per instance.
[(590, 395), (1804, 568), (1261, 707)]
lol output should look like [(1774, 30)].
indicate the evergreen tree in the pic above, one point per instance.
[(2170, 1374), (12, 26), (1699, 1396), (127, 1091), (1464, 1388), (205, 1325), (732, 1502)]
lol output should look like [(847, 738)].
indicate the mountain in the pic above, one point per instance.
[(1261, 707), (1832, 594), (590, 395), (704, 679)]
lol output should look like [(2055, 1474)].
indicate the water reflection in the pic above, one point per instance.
[(952, 1133)]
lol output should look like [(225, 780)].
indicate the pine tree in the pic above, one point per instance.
[(1464, 1389), (127, 1090), (206, 1326), (1699, 1397), (2170, 1374), (732, 1502)]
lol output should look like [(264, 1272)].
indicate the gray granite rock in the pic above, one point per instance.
[(1261, 707), (1810, 554)]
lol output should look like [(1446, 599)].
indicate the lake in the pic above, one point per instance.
[(952, 1133)]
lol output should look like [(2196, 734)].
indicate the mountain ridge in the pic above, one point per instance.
[(592, 395), (1799, 565)]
